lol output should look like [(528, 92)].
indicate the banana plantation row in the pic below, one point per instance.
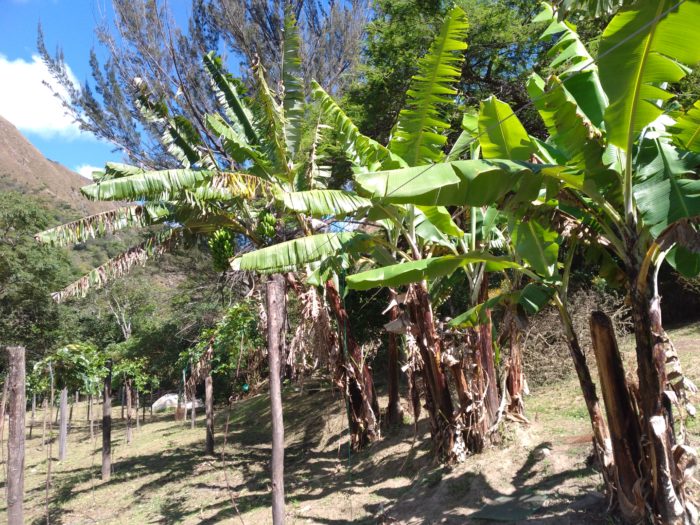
[(614, 183)]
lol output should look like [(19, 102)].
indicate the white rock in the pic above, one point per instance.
[(170, 401)]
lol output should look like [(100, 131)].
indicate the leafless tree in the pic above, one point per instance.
[(149, 53), (331, 34)]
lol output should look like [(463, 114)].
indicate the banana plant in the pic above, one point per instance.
[(638, 188), (230, 191), (411, 231), (629, 177), (225, 186)]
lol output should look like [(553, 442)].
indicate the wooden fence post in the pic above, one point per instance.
[(209, 410), (107, 425), (15, 442), (275, 331), (63, 425)]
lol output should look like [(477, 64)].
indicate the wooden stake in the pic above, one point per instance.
[(209, 409), (63, 426), (107, 425), (275, 333), (15, 441)]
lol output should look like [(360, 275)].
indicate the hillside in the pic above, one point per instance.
[(540, 472), (24, 169)]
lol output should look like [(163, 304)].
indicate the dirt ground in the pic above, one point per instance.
[(541, 468)]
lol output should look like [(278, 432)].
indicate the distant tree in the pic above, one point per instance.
[(132, 374), (28, 274), (75, 367), (400, 32), (331, 34), (502, 49)]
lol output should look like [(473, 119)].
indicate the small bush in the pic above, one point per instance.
[(545, 350)]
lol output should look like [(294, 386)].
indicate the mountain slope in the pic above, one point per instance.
[(24, 169)]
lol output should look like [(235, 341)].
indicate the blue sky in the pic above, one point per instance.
[(28, 104)]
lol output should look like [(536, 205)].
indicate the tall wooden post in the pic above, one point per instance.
[(91, 418), (394, 413), (275, 331), (107, 425), (129, 391), (31, 421), (63, 425), (193, 408), (45, 410), (15, 454), (209, 410), (3, 404)]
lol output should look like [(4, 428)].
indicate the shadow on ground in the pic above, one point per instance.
[(393, 481)]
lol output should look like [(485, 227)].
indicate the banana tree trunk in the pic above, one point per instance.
[(515, 381), (667, 460), (70, 412), (487, 359), (602, 446), (45, 411), (136, 396), (622, 420), (127, 388), (394, 412), (477, 419), (414, 394), (357, 383), (438, 400), (33, 415)]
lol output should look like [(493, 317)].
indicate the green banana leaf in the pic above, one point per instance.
[(569, 128), (457, 183), (293, 101), (419, 136), (537, 246), (532, 298), (324, 203), (294, 254), (663, 202), (686, 131), (574, 65), (441, 219), (228, 97), (416, 271), (501, 133), (643, 47)]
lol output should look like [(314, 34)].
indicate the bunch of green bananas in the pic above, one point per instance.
[(267, 224), (222, 246)]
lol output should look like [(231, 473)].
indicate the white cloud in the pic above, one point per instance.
[(29, 104), (86, 170)]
